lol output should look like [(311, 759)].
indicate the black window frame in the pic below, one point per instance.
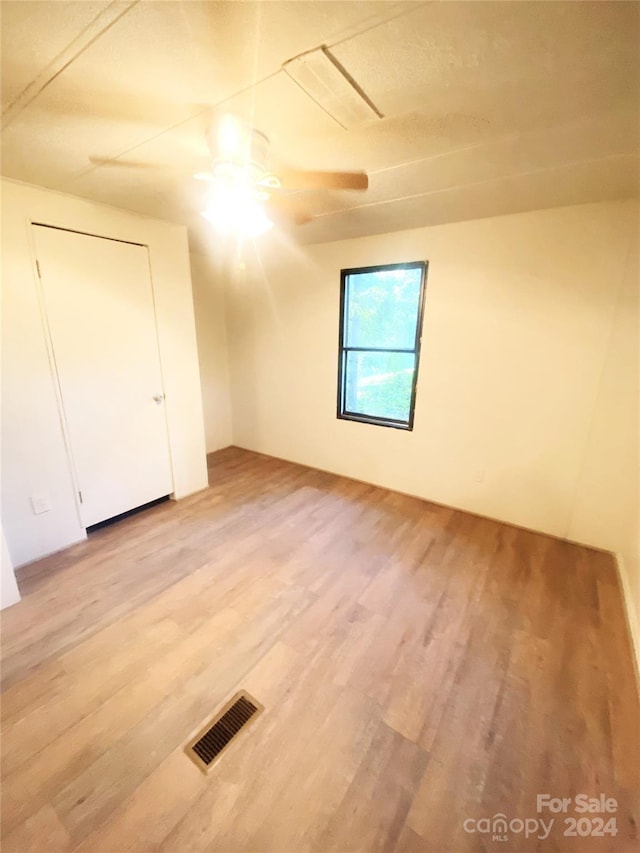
[(360, 417)]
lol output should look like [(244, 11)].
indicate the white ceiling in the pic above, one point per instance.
[(489, 107)]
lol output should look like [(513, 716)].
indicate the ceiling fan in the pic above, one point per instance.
[(245, 189), (244, 195)]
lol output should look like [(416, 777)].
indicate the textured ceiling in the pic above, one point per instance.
[(489, 107)]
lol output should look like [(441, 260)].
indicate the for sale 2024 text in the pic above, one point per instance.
[(596, 811)]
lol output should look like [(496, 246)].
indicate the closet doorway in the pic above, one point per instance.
[(99, 310)]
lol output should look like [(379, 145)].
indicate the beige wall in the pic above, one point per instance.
[(209, 306), (527, 390), (34, 459), (607, 506)]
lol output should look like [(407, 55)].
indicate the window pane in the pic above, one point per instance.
[(379, 384), (382, 309)]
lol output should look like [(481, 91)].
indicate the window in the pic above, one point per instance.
[(380, 328)]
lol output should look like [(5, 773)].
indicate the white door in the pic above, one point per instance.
[(100, 312)]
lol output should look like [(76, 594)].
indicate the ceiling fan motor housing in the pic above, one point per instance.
[(258, 154), (236, 146)]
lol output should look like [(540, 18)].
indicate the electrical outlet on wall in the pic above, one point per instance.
[(40, 504), (479, 475)]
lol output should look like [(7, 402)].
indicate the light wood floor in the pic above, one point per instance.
[(419, 667)]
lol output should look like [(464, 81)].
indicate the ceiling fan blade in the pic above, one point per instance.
[(301, 218), (304, 180)]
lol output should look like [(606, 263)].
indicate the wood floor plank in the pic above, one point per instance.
[(374, 809), (42, 830), (418, 667)]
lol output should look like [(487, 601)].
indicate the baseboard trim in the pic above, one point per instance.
[(13, 598), (633, 628), (422, 498), (212, 453), (50, 553)]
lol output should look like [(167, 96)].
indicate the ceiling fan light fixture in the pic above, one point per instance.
[(234, 210), (255, 221), (270, 180)]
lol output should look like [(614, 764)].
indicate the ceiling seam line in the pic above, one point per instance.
[(26, 88), (256, 83), (512, 137), (20, 107), (380, 23), (160, 133), (470, 184)]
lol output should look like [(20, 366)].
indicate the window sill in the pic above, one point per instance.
[(366, 419)]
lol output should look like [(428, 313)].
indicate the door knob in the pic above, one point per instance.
[(158, 398)]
